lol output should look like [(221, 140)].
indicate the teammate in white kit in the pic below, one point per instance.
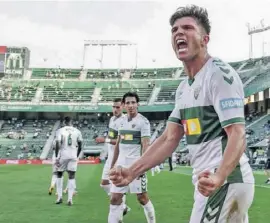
[(209, 109), (133, 140), (110, 141), (68, 149)]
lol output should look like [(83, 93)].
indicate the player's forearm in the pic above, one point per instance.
[(154, 155), (235, 148), (145, 144), (115, 156), (57, 148), (111, 141), (79, 151)]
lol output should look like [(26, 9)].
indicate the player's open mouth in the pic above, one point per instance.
[(181, 45)]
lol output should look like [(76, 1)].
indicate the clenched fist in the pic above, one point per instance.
[(209, 183), (121, 176)]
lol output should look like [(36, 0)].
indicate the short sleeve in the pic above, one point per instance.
[(227, 95), (58, 135), (175, 115), (145, 129)]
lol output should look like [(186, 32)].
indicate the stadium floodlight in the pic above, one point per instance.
[(108, 43), (254, 30)]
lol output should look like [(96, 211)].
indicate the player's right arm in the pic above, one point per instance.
[(162, 148), (106, 140), (116, 152), (57, 146)]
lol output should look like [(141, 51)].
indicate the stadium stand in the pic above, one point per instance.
[(167, 93), (27, 138), (154, 73), (68, 94), (24, 138), (19, 93), (43, 73), (104, 74), (108, 94)]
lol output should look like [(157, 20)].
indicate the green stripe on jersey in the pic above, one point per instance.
[(210, 127), (130, 137), (232, 121), (112, 133), (174, 120)]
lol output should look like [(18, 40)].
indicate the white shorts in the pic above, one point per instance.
[(68, 165), (106, 170), (54, 168), (137, 186), (229, 204)]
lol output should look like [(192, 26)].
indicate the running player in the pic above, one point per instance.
[(133, 139), (110, 141), (209, 109), (68, 149)]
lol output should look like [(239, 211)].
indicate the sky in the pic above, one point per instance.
[(55, 31)]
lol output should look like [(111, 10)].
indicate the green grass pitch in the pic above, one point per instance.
[(24, 197)]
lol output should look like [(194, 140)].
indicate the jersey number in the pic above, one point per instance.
[(69, 140)]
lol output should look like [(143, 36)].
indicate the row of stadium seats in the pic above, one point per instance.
[(52, 94), (44, 73), (85, 93), (152, 73), (24, 138), (111, 93), (19, 93)]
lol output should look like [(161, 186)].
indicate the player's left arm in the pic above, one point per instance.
[(227, 95), (57, 143), (145, 144), (79, 141), (145, 135)]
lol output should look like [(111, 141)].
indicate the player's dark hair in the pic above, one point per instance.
[(117, 100), (198, 13), (67, 119), (130, 94)]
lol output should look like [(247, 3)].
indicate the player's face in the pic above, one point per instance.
[(188, 38), (117, 108), (131, 105)]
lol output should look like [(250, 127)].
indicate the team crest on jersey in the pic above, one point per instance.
[(133, 126), (197, 92)]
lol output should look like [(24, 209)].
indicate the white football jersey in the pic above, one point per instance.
[(213, 100), (69, 137), (131, 132), (114, 125)]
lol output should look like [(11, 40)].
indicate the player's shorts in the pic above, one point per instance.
[(229, 204), (67, 165), (267, 165), (106, 170), (54, 168), (137, 186)]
